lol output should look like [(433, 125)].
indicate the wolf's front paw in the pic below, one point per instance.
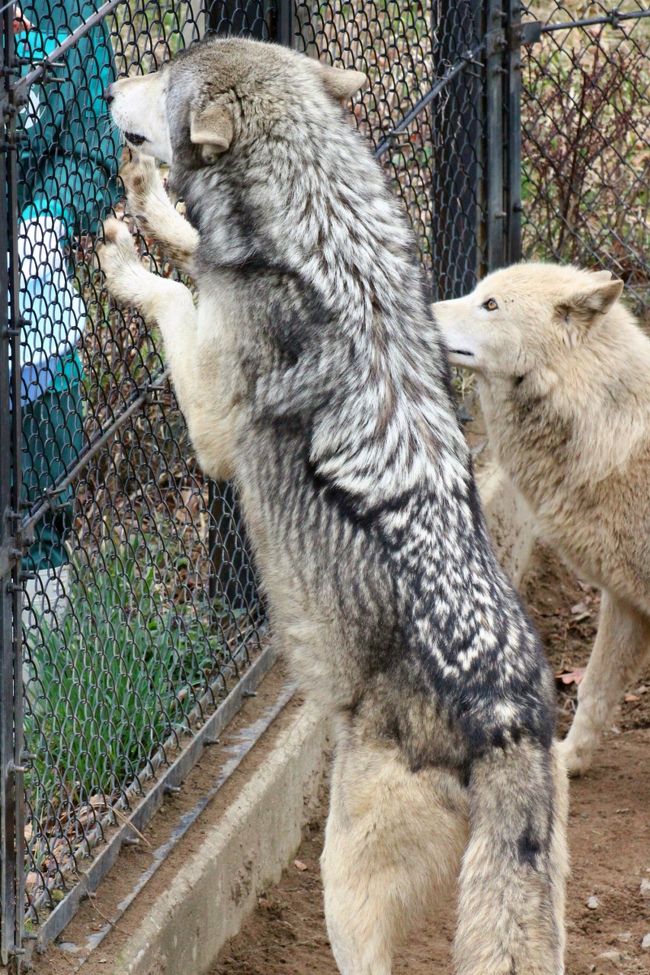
[(119, 261), (577, 759), (141, 180), (117, 235)]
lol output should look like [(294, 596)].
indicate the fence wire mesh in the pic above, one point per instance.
[(586, 139), (140, 610), (431, 150)]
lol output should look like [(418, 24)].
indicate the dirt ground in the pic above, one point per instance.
[(607, 912)]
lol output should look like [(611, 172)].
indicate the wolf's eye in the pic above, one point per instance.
[(490, 305)]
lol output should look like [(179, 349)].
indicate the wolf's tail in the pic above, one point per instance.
[(513, 876)]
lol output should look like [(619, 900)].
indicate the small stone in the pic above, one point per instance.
[(645, 888), (609, 963), (68, 946), (645, 944), (613, 955), (624, 936), (593, 903)]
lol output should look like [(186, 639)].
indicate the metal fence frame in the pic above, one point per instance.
[(485, 77), (11, 703)]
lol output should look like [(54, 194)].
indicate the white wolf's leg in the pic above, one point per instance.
[(155, 213), (394, 839), (167, 303), (512, 882), (620, 650), (205, 394)]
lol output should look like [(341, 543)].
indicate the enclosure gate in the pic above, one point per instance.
[(130, 628)]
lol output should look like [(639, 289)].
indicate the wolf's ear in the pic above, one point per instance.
[(211, 128), (602, 276), (341, 83), (594, 299)]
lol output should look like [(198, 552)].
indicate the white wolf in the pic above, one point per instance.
[(564, 380)]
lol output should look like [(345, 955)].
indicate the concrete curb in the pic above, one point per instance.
[(257, 836)]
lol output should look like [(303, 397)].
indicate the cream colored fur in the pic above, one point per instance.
[(564, 379), (197, 353), (149, 203), (395, 846)]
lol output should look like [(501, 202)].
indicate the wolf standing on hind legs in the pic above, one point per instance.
[(311, 372)]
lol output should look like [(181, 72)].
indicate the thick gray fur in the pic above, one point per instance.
[(357, 489)]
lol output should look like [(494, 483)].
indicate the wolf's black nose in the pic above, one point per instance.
[(108, 95)]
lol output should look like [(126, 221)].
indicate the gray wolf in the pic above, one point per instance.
[(312, 374), (564, 379)]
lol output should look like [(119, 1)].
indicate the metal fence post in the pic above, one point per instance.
[(12, 866), (284, 22), (229, 557), (231, 571), (7, 825), (513, 143), (503, 132), (494, 132)]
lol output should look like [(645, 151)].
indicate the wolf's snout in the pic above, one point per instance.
[(108, 95)]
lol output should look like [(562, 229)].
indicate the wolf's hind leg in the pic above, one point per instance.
[(512, 882), (155, 213), (394, 840), (622, 646)]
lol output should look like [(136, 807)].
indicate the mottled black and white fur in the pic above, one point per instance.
[(312, 374)]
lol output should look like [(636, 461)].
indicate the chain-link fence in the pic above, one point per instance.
[(420, 112), (586, 138), (139, 608), (128, 606)]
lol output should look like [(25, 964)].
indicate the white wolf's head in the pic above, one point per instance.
[(222, 92), (525, 318)]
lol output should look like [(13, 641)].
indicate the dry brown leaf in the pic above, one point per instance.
[(571, 676)]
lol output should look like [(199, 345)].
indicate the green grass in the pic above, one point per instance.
[(112, 681)]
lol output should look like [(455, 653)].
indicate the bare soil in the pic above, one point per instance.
[(609, 834)]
